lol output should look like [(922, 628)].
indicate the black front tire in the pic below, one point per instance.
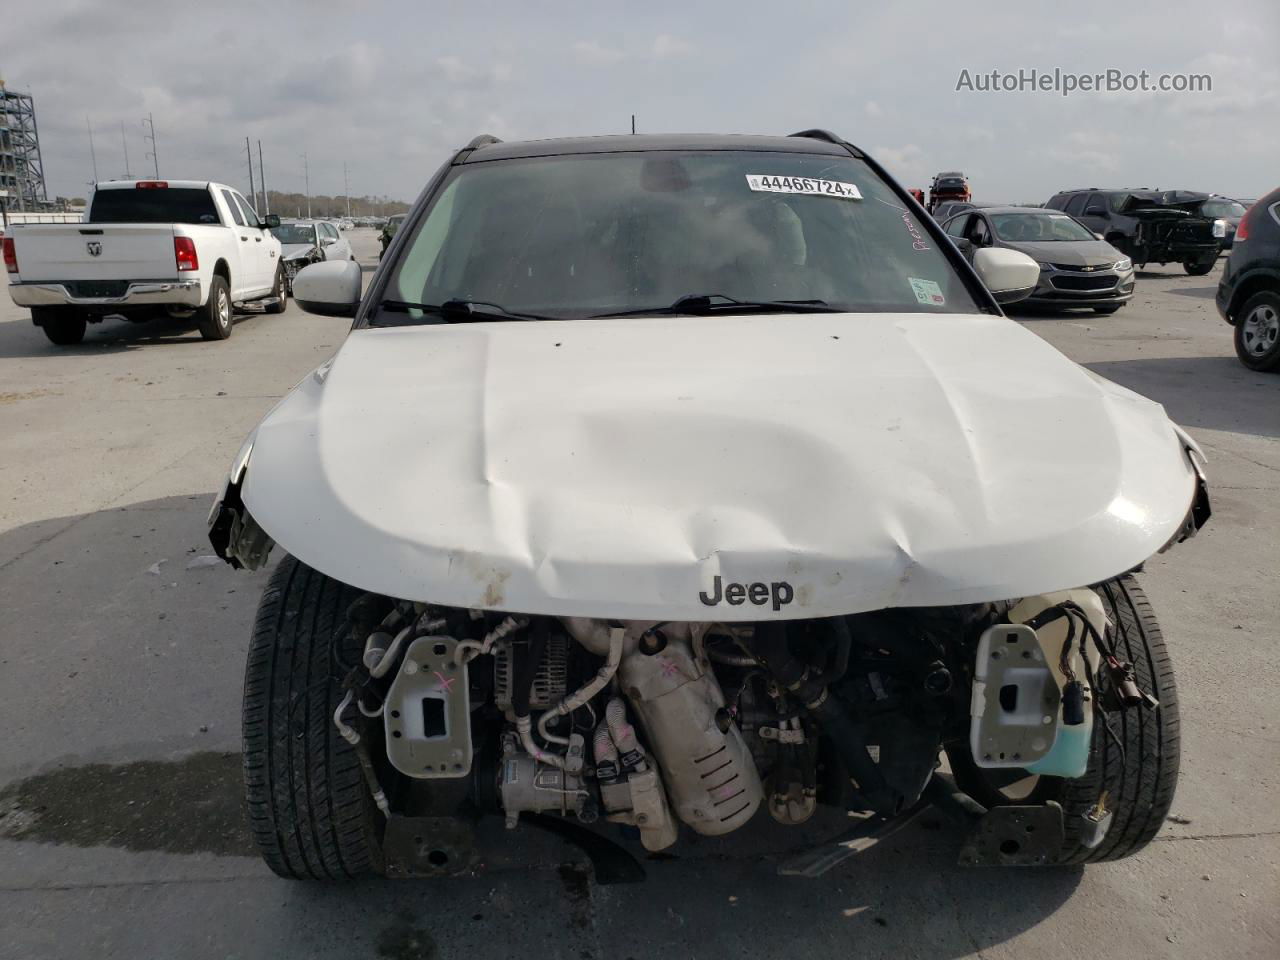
[(63, 326), (1198, 268), (215, 318), (1137, 769), (1257, 332), (281, 292), (310, 810)]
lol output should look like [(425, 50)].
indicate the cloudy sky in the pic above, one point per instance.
[(390, 88)]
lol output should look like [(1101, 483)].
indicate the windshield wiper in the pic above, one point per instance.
[(461, 311), (708, 303)]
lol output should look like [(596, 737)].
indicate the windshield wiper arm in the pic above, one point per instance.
[(461, 311), (709, 303)]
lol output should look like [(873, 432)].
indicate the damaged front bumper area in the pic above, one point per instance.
[(233, 533)]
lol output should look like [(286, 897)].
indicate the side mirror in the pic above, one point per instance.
[(965, 246), (327, 241), (271, 221), (330, 289), (1098, 236), (1008, 274), (1095, 211)]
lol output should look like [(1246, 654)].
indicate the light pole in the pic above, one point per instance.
[(306, 174), (152, 137)]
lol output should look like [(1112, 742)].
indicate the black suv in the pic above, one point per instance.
[(1149, 226), (1249, 292)]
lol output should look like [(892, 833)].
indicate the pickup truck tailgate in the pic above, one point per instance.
[(98, 251)]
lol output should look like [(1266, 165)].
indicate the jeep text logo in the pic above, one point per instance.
[(735, 594)]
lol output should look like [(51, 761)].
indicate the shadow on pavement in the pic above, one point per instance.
[(21, 338), (1213, 393), (1200, 293)]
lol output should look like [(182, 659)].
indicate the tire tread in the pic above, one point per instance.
[(310, 813)]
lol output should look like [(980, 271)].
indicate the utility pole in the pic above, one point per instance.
[(253, 193), (633, 124), (262, 177), (93, 155), (152, 137), (346, 187), (125, 141), (306, 173)]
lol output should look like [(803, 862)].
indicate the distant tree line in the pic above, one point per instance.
[(295, 205)]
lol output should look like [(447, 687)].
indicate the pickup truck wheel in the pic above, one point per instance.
[(62, 325), (1134, 764), (281, 292), (310, 810), (1198, 268), (1257, 333), (215, 319)]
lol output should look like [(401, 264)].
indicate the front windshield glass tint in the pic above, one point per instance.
[(1037, 227), (584, 235), (294, 233)]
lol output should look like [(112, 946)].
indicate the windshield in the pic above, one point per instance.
[(294, 233), (1038, 227), (585, 235), (1222, 208)]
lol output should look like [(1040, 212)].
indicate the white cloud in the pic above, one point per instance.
[(666, 46), (905, 163), (597, 54), (391, 102)]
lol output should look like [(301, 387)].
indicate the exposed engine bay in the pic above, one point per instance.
[(655, 725)]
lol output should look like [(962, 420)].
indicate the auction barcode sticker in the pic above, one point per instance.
[(772, 183)]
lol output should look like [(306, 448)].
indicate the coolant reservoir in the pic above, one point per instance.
[(711, 779)]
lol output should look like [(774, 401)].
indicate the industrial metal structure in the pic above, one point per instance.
[(21, 169)]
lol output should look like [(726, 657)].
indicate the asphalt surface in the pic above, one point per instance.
[(123, 651)]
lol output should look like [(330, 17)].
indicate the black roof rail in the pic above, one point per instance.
[(828, 137), (482, 141), (816, 134)]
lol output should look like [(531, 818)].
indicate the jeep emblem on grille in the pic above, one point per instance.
[(95, 248)]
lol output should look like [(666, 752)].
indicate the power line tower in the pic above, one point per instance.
[(21, 170)]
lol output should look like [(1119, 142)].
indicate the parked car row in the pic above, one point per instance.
[(1088, 242)]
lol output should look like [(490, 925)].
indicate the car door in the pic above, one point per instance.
[(977, 231), (242, 282), (262, 249), (343, 246), (334, 246), (1094, 214), (955, 228)]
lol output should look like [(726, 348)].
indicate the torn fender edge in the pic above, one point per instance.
[(234, 534), (1200, 511)]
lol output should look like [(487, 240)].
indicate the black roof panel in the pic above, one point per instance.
[(625, 143)]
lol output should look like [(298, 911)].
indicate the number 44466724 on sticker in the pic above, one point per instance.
[(772, 183)]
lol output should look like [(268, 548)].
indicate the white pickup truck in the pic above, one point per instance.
[(147, 248)]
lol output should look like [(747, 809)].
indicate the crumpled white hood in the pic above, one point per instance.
[(616, 468)]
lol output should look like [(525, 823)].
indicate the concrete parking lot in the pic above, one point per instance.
[(123, 651)]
